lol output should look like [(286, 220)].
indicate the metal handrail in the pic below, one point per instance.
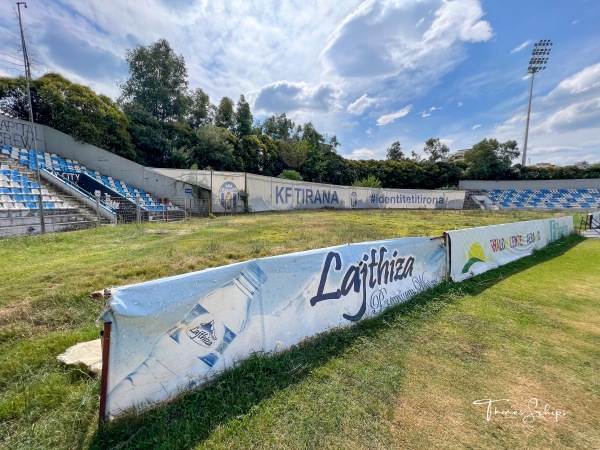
[(81, 191)]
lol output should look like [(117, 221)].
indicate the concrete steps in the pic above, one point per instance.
[(77, 216)]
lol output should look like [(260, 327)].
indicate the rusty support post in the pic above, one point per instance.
[(104, 377)]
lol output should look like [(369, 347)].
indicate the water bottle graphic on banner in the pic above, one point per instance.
[(194, 345)]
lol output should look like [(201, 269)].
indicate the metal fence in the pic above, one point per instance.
[(147, 209)]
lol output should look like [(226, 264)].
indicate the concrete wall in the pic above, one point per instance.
[(589, 183), (19, 133), (113, 165), (201, 178)]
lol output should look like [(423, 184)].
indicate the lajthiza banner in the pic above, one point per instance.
[(173, 334), (477, 250)]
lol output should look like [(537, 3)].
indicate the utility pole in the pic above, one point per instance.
[(27, 78)]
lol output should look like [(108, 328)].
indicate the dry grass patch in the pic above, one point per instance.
[(536, 355)]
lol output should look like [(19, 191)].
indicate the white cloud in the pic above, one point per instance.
[(584, 114), (583, 81), (379, 40), (474, 127), (361, 104), (286, 96), (389, 118), (459, 104), (362, 153), (573, 104), (220, 41), (459, 21), (427, 113), (521, 47)]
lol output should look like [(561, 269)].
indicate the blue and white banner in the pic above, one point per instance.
[(276, 194), (477, 250), (173, 334)]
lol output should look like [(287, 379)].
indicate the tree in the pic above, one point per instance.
[(201, 111), (160, 144), (371, 181), (436, 150), (278, 127), (225, 117), (416, 157), (260, 155), (71, 108), (294, 152), (290, 175), (491, 160), (157, 82), (394, 153), (243, 118), (333, 142), (310, 134), (216, 148), (337, 169)]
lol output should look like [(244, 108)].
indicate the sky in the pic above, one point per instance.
[(369, 72)]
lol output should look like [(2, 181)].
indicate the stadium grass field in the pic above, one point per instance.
[(406, 379)]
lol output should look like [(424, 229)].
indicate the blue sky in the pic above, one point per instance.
[(370, 72)]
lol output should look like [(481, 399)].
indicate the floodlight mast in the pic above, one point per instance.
[(538, 61), (27, 77)]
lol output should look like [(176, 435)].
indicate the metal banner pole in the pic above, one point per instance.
[(104, 377)]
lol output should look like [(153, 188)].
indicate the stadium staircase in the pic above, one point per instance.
[(118, 198), (479, 200), (19, 207), (590, 225)]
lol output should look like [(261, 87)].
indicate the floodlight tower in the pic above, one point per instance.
[(538, 61), (27, 78)]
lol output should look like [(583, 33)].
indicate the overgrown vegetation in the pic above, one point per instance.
[(370, 181), (345, 389)]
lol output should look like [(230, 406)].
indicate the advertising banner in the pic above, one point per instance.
[(173, 334), (274, 194), (477, 250)]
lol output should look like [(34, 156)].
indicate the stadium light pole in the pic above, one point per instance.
[(27, 77), (538, 61)]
